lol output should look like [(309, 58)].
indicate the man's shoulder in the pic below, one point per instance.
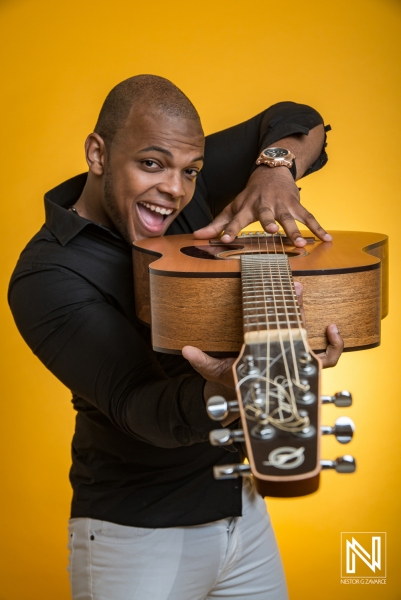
[(37, 246)]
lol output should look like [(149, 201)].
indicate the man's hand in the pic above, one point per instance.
[(271, 195), (216, 370)]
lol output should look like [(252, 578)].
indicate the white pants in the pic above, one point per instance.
[(233, 558)]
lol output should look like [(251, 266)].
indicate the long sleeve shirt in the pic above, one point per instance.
[(140, 451)]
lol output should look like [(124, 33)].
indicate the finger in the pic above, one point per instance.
[(198, 359), (309, 220), (334, 349), (287, 221), (243, 218), (212, 369), (267, 220), (215, 227), (300, 299)]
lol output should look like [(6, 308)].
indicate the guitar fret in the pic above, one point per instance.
[(284, 324), (261, 304), (269, 308), (277, 317)]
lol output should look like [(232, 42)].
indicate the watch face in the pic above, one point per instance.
[(275, 152)]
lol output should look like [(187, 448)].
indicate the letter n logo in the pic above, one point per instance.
[(363, 554)]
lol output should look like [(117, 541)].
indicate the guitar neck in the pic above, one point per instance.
[(270, 307)]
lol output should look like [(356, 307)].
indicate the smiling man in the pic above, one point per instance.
[(148, 520)]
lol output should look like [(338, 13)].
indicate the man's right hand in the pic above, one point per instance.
[(217, 371)]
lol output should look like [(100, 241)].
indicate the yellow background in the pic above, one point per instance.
[(233, 59)]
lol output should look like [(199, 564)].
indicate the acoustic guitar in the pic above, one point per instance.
[(225, 298)]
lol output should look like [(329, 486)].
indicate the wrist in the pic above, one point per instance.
[(264, 173)]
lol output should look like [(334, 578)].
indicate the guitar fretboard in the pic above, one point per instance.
[(269, 300)]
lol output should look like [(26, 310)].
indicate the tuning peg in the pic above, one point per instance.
[(343, 430), (231, 471), (305, 364), (249, 365), (342, 399), (342, 464), (225, 437), (218, 408)]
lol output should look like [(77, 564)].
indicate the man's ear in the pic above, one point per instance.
[(95, 152)]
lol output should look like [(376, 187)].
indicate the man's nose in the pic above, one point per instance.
[(172, 184)]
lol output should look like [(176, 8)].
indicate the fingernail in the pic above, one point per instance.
[(225, 238), (327, 237), (334, 328)]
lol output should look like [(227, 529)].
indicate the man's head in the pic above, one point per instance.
[(143, 157)]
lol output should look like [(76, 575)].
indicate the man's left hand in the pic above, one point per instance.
[(271, 195)]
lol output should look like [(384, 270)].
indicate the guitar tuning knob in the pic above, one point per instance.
[(343, 430), (341, 399), (231, 471), (342, 464), (305, 364), (218, 408), (249, 365), (225, 437)]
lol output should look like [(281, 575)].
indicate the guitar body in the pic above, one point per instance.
[(189, 290)]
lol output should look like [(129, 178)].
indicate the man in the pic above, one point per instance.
[(148, 520)]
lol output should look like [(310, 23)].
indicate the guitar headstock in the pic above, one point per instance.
[(278, 398)]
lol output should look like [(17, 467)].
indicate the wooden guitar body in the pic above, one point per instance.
[(189, 290)]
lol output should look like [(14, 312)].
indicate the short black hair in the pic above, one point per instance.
[(153, 91)]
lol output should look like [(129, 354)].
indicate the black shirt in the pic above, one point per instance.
[(140, 452)]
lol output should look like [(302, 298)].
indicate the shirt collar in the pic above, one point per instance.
[(63, 223)]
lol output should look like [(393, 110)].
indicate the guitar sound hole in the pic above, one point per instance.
[(230, 254), (224, 252), (208, 252)]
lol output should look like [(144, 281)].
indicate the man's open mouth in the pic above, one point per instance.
[(153, 215)]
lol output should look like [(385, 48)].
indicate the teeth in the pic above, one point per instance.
[(162, 211)]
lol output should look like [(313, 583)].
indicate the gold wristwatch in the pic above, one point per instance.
[(277, 157)]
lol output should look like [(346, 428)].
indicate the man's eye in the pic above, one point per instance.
[(150, 163), (192, 172)]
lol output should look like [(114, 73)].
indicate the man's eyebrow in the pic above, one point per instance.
[(164, 151), (157, 149)]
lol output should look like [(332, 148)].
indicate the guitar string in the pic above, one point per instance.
[(299, 423), (250, 312), (268, 334), (296, 306), (295, 420), (280, 332), (289, 279), (261, 264), (303, 420)]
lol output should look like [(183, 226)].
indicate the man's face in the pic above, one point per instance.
[(151, 172)]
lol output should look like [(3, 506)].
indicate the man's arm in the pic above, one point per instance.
[(246, 193), (96, 352)]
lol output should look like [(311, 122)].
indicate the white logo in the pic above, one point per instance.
[(363, 556), (286, 458), (372, 560)]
